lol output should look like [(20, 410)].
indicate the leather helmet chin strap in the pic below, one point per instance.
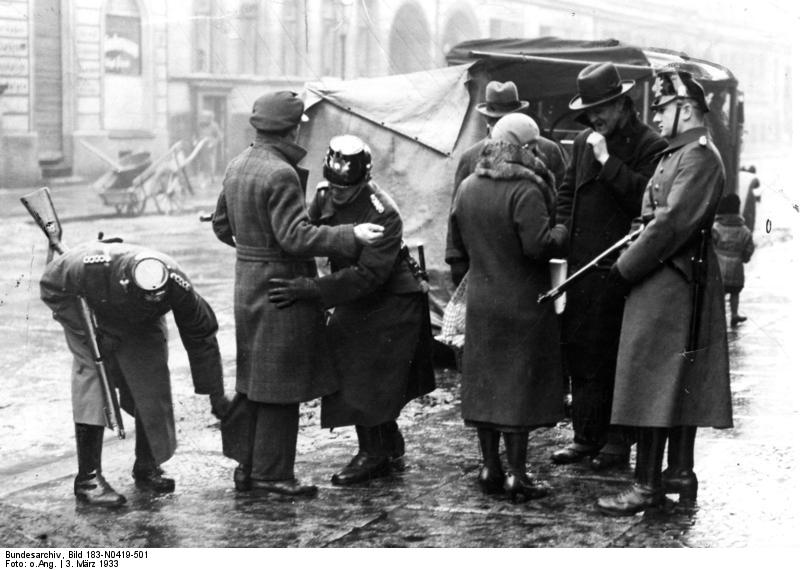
[(678, 106)]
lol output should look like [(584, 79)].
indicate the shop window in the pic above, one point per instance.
[(122, 48)]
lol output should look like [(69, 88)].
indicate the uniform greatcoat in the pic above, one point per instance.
[(281, 353), (134, 336), (379, 332), (597, 203), (501, 222), (659, 383)]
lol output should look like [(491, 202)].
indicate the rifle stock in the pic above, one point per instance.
[(40, 206), (555, 292)]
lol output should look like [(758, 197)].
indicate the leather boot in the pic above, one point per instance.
[(518, 485), (371, 461), (146, 473), (679, 476), (490, 477), (90, 486), (395, 444), (647, 491), (241, 478)]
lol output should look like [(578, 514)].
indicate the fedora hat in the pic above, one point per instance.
[(501, 99), (279, 111), (599, 83)]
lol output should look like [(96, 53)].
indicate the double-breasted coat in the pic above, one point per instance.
[(597, 203), (134, 335), (658, 382), (281, 355), (501, 222), (379, 333)]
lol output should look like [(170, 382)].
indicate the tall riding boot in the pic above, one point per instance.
[(371, 461), (490, 477), (679, 475), (90, 486), (518, 484), (146, 472), (646, 492)]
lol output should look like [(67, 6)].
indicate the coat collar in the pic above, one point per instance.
[(503, 161), (292, 152), (685, 138)]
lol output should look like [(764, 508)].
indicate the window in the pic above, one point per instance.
[(123, 38)]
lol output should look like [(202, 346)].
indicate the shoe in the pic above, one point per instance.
[(92, 489), (681, 482), (241, 478), (152, 479), (735, 320), (519, 487), (288, 487), (363, 467), (490, 481), (603, 461), (631, 501), (572, 454)]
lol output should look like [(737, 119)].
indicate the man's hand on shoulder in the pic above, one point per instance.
[(368, 234)]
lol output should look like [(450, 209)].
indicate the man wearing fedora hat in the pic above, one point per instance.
[(501, 100), (672, 368), (612, 161), (281, 354)]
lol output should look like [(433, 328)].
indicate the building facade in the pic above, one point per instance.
[(136, 74)]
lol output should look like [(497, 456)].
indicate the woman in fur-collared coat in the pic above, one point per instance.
[(511, 382)]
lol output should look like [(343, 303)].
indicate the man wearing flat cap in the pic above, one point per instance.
[(501, 100), (281, 357), (612, 161), (672, 367)]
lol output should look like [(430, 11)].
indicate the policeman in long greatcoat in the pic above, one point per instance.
[(601, 194), (672, 367), (379, 332), (130, 289), (282, 358)]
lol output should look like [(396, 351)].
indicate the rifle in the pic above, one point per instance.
[(698, 286), (557, 291), (40, 206)]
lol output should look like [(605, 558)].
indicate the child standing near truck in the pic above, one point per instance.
[(733, 243)]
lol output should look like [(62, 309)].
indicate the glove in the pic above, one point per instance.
[(220, 405), (284, 292), (107, 343), (457, 271), (617, 282)]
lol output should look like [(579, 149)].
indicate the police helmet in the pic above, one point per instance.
[(348, 161), (149, 275), (673, 83)]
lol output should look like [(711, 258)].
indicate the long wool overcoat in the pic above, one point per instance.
[(281, 354), (597, 203), (733, 244), (658, 382), (135, 331), (501, 221), (379, 333)]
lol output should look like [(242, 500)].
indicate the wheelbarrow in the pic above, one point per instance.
[(116, 187)]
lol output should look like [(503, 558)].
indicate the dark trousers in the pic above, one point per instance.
[(274, 440), (591, 413)]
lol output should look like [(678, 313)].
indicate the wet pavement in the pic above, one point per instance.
[(749, 485)]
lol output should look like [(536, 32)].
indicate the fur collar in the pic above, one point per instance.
[(501, 160)]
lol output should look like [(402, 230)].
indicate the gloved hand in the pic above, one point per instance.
[(220, 405), (368, 234), (107, 343), (617, 282), (284, 292), (457, 271)]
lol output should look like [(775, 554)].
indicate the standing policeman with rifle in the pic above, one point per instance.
[(111, 299), (672, 366)]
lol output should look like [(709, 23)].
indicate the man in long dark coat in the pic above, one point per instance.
[(282, 358), (500, 100), (672, 367), (379, 333), (130, 289), (601, 194)]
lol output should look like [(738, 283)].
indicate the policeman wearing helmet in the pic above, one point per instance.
[(672, 366), (379, 334), (130, 289)]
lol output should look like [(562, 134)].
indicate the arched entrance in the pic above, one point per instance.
[(410, 40)]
